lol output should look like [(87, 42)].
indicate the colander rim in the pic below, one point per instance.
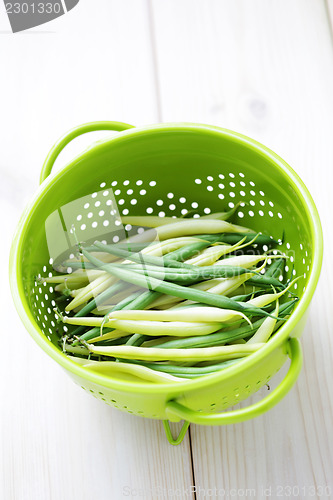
[(192, 384)]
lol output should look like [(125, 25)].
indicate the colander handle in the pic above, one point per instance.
[(176, 411), (72, 134)]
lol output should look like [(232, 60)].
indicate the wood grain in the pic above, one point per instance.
[(264, 69)]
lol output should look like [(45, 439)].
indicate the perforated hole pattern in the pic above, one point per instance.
[(131, 196)]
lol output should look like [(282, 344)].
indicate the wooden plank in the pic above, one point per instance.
[(264, 69), (57, 441), (71, 71)]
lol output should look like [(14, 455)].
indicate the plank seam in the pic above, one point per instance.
[(329, 19), (154, 57), (192, 464)]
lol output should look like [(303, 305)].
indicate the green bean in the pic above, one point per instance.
[(172, 273), (190, 276), (134, 301), (245, 296), (76, 331), (118, 341), (186, 371), (143, 259), (275, 270), (210, 255), (90, 334), (174, 289), (192, 249), (61, 299), (263, 300), (224, 215), (224, 336), (195, 248), (160, 248), (117, 287), (232, 238), (109, 334), (263, 280), (141, 301), (213, 339), (89, 291), (137, 339)]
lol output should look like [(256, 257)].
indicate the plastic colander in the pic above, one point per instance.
[(167, 169)]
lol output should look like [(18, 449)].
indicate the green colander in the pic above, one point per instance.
[(167, 169)]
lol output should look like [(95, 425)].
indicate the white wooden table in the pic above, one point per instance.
[(261, 68)]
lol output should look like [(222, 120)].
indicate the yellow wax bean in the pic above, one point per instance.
[(245, 261), (189, 355), (102, 311), (80, 361), (228, 285), (201, 314), (120, 296), (148, 220), (142, 373), (153, 328), (157, 328), (166, 246), (161, 248), (198, 226), (91, 290), (80, 275), (83, 321), (211, 254), (115, 334), (267, 298), (266, 329)]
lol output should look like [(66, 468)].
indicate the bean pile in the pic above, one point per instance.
[(183, 299)]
